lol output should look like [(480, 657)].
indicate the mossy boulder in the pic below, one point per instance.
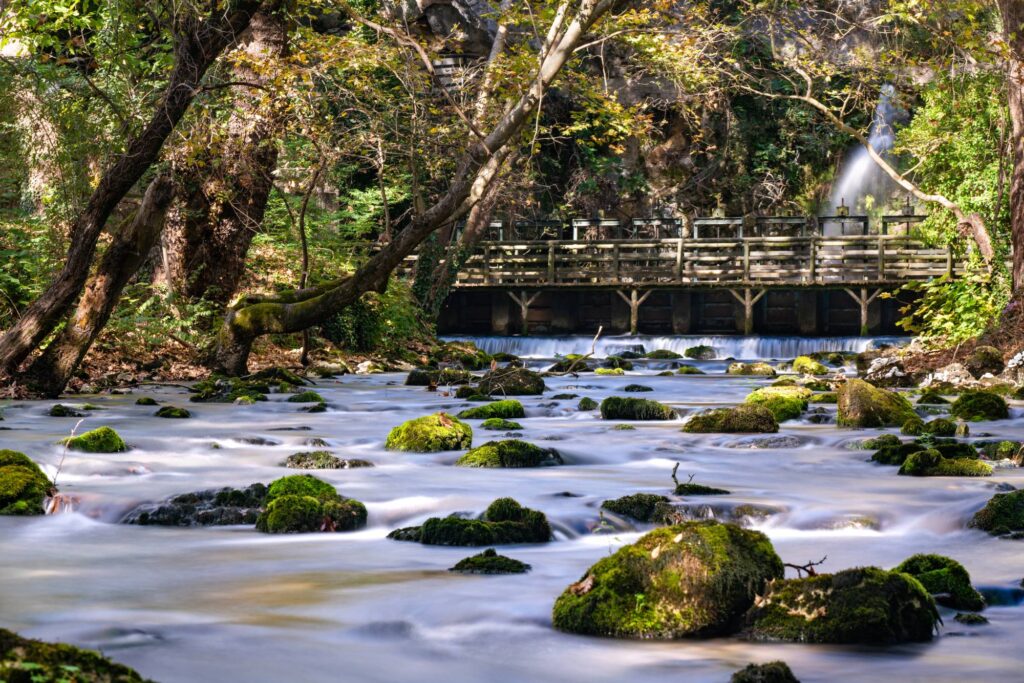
[(701, 352), (912, 427), (430, 434), (500, 424), (1003, 515), (688, 370), (864, 405), (146, 401), (618, 408), (173, 413), (754, 369), (23, 486), (946, 579), (865, 606), (425, 377), (490, 562), (637, 388), (934, 398), (1002, 450), (897, 453), (970, 619), (617, 363), (213, 507), (770, 672), (61, 410), (806, 365), (689, 580), (691, 489), (307, 396), (931, 463), (301, 503), (829, 397), (33, 661), (573, 362), (610, 372), (643, 507), (985, 359), (785, 403), (220, 389), (940, 426), (744, 419), (586, 404), (505, 409), (510, 453), (662, 354), (977, 406), (504, 521), (314, 460), (512, 381), (99, 440)]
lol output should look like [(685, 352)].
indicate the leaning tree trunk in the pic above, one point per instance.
[(198, 42), (1012, 12), (50, 372), (208, 235)]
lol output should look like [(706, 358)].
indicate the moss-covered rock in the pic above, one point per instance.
[(940, 426), (984, 359), (970, 619), (505, 409), (23, 486), (301, 503), (897, 453), (785, 403), (691, 489), (314, 460), (1003, 515), (173, 413), (212, 507), (430, 434), (511, 381), (808, 366), (946, 579), (662, 354), (744, 419), (504, 521), (490, 562), (976, 406), (702, 352), (867, 605), (146, 401), (573, 362), (510, 453), (912, 427), (930, 463), (864, 405), (617, 363), (618, 408), (880, 442), (99, 440), (770, 672), (61, 410), (688, 370), (689, 580), (612, 372), (637, 388), (308, 396), (934, 398), (219, 389), (499, 424), (33, 661), (829, 397), (425, 377), (643, 507), (1002, 450), (586, 404), (754, 369)]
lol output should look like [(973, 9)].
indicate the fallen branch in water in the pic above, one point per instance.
[(571, 370), (805, 568)]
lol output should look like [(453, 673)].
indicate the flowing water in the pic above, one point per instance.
[(230, 604)]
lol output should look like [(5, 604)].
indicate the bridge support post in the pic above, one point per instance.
[(524, 308), (748, 300), (634, 300), (864, 301)]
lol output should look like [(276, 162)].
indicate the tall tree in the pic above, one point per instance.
[(1012, 15)]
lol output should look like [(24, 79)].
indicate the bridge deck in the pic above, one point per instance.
[(874, 260)]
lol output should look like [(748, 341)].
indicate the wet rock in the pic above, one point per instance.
[(219, 389), (505, 521), (30, 661), (984, 360), (100, 440), (616, 363), (1003, 515), (23, 486), (511, 381), (430, 434), (490, 562), (977, 406), (886, 371), (739, 420), (771, 442), (277, 375), (322, 460), (306, 397), (316, 442), (511, 453), (934, 398), (785, 403), (146, 401), (213, 507), (643, 507), (499, 424), (616, 408), (636, 388), (564, 397), (771, 672), (865, 606), (808, 366), (692, 489), (689, 580), (586, 404), (701, 352), (624, 428), (573, 362), (173, 413), (930, 463), (368, 367), (662, 354), (759, 369), (688, 370), (954, 376), (506, 409), (301, 503), (257, 441), (61, 410), (946, 579), (864, 405), (425, 377), (970, 619)]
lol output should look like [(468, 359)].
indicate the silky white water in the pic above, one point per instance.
[(231, 604)]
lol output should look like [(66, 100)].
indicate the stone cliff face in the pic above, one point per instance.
[(466, 26)]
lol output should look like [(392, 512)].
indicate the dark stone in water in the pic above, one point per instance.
[(303, 428), (997, 596), (213, 507), (771, 442), (257, 441)]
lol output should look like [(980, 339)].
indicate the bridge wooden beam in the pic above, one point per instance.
[(864, 301), (634, 301), (748, 301), (524, 302)]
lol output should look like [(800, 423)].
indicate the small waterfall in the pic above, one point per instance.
[(743, 348)]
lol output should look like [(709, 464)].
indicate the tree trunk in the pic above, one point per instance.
[(208, 235), (50, 372), (1012, 12), (198, 42)]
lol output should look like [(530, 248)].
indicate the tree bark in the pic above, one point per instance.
[(50, 372), (1012, 14), (209, 234), (198, 42), (476, 169)]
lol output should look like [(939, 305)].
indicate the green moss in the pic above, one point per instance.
[(301, 485), (689, 370), (512, 381), (617, 363), (913, 427), (1002, 515), (100, 440), (306, 397), (506, 409), (636, 388), (808, 366), (23, 486), (662, 354), (946, 579), (92, 406), (771, 672), (61, 410), (866, 605), (863, 405), (976, 406), (586, 404), (827, 397), (301, 503), (1002, 450), (744, 419), (940, 426), (610, 371), (490, 562), (930, 397), (313, 460), (505, 521), (277, 375), (758, 369), (643, 507), (970, 619), (511, 453), (702, 352), (424, 377), (466, 392), (497, 423), (691, 489), (624, 428), (430, 434), (930, 463), (785, 403), (897, 454), (173, 413), (219, 389), (574, 362), (146, 401), (689, 580), (32, 661), (880, 442), (618, 408)]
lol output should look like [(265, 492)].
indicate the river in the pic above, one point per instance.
[(231, 604)]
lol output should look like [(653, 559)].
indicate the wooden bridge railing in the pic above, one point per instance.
[(760, 261)]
